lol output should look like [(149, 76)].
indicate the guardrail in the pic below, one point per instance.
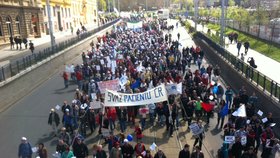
[(25, 62), (252, 75)]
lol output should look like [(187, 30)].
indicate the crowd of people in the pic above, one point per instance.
[(146, 58)]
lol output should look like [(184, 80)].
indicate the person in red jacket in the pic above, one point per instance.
[(139, 149), (138, 132), (79, 78), (267, 134), (112, 115), (66, 79)]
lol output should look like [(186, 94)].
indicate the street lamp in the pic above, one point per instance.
[(222, 42), (50, 25)]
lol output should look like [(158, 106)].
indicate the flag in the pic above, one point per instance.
[(174, 88), (224, 111), (240, 112), (207, 107)]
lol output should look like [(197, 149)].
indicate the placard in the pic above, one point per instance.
[(105, 132), (110, 85), (243, 140), (95, 105), (260, 113), (195, 129), (229, 139)]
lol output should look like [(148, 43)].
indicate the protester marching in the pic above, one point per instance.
[(140, 77)]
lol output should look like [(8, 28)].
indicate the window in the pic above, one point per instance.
[(18, 24), (44, 10), (53, 11), (65, 12), (62, 12), (1, 30), (69, 12), (9, 25)]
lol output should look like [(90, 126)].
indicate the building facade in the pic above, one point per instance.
[(60, 15), (20, 18), (84, 13)]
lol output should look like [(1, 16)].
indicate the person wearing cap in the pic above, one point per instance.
[(54, 121), (65, 106), (68, 121), (127, 149), (197, 153), (116, 151), (80, 149), (24, 149), (83, 119)]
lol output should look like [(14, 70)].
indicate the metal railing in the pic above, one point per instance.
[(252, 75), (25, 62)]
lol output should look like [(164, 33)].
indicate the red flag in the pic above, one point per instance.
[(207, 107)]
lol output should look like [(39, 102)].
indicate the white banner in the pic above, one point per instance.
[(155, 95), (131, 25), (174, 88)]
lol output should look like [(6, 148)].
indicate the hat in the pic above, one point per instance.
[(23, 138), (74, 101), (125, 140), (52, 109), (67, 110)]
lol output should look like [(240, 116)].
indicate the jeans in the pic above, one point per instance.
[(79, 83), (143, 123), (112, 124), (66, 83), (122, 125), (152, 118)]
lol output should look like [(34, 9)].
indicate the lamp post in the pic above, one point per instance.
[(50, 25), (195, 14), (222, 21)]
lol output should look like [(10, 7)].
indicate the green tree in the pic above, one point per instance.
[(231, 2), (102, 5), (261, 16)]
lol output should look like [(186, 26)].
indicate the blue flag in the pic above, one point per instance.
[(224, 111)]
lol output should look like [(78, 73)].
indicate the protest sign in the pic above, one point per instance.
[(110, 85), (243, 140), (57, 107), (155, 95), (229, 139), (93, 96), (260, 113), (264, 120), (195, 129), (153, 147), (95, 105), (174, 88)]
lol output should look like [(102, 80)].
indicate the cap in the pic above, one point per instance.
[(67, 110), (23, 138), (52, 109), (125, 140)]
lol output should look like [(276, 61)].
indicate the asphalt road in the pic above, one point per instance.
[(28, 117)]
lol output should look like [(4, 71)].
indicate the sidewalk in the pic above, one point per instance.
[(265, 64), (6, 52)]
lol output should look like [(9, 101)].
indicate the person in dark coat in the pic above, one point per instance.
[(24, 149), (127, 149), (160, 154), (239, 44), (12, 43), (185, 153), (25, 41), (16, 41), (236, 149), (197, 153), (246, 46), (80, 149), (19, 42), (54, 120)]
